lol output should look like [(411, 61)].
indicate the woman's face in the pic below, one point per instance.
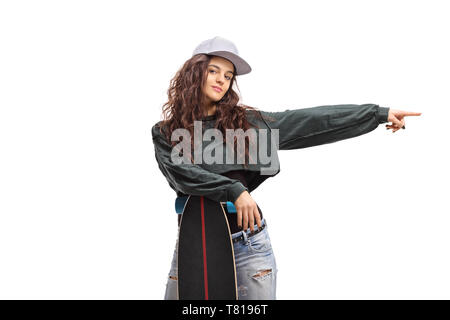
[(219, 74)]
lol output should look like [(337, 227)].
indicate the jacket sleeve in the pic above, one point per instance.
[(307, 127), (191, 179)]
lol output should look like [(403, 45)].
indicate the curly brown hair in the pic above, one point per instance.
[(186, 101)]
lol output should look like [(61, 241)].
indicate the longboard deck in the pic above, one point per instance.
[(206, 266)]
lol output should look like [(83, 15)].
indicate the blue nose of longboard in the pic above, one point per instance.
[(180, 202), (230, 207)]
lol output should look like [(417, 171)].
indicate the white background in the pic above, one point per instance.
[(85, 212)]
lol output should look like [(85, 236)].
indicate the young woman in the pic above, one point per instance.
[(202, 92)]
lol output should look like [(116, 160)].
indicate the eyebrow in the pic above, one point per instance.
[(213, 65)]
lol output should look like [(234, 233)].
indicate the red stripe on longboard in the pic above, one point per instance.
[(205, 270)]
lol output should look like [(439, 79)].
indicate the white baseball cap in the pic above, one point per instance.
[(224, 48)]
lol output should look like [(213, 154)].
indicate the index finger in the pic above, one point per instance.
[(239, 217), (258, 218), (407, 113)]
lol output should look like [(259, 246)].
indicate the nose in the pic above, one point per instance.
[(220, 79)]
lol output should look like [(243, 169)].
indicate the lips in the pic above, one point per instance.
[(217, 89)]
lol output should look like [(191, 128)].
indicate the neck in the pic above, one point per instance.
[(211, 110)]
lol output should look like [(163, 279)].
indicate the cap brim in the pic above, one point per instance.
[(240, 65)]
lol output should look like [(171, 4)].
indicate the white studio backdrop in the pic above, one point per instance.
[(85, 212)]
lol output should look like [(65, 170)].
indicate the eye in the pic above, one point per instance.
[(226, 77)]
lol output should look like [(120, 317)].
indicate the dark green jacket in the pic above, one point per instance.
[(298, 128)]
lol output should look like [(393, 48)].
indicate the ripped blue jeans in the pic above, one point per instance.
[(256, 269)]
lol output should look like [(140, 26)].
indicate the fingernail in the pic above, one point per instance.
[(403, 127)]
